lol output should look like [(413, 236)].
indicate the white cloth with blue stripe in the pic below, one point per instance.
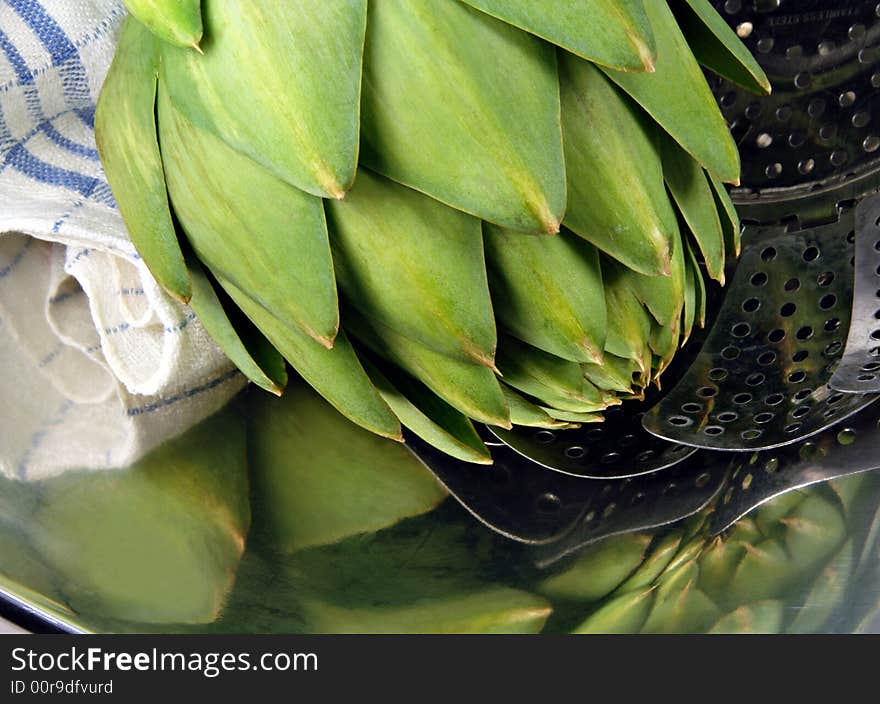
[(97, 364)]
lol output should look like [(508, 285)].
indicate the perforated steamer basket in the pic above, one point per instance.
[(778, 393)]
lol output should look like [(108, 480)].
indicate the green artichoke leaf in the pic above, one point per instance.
[(125, 132), (524, 412), (441, 118), (700, 300), (244, 344), (335, 373), (664, 343), (423, 575), (696, 202), (629, 323), (468, 387), (520, 361), (689, 311), (662, 295), (414, 265), (578, 418), (318, 478), (599, 571), (679, 605), (716, 46), (625, 212), (677, 97), (728, 216), (624, 613), (429, 416), (258, 232), (614, 374), (625, 41), (279, 80), (547, 291), (494, 610), (656, 561), (547, 396), (176, 21), (763, 617), (158, 542)]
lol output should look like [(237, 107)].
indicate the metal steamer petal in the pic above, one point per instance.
[(761, 378), (559, 514), (781, 366)]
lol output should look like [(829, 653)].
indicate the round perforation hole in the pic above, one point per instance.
[(680, 421), (627, 440), (610, 458), (713, 430), (804, 333), (741, 330), (774, 399), (575, 452), (717, 374), (750, 305), (792, 428), (755, 379), (759, 278), (792, 285), (742, 398), (834, 398), (826, 278), (545, 437), (847, 436), (692, 408), (800, 356), (766, 358), (750, 434), (787, 310), (764, 417), (730, 353), (727, 416), (802, 395), (768, 254), (548, 504), (707, 391), (800, 412), (797, 377), (833, 349), (828, 301), (776, 336), (811, 254)]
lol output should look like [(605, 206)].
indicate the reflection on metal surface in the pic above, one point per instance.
[(439, 571), (847, 449)]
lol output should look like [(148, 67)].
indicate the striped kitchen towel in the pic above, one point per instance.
[(97, 365)]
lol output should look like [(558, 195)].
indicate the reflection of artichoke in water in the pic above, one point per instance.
[(351, 534), (265, 154)]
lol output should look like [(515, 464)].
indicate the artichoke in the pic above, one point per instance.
[(436, 211)]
